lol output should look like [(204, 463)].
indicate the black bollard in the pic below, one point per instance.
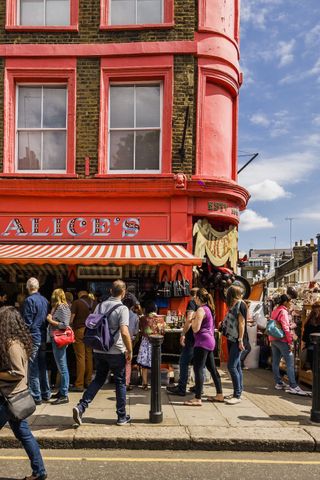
[(315, 409), (155, 414)]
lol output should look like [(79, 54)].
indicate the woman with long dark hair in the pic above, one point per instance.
[(204, 344), (312, 325), (15, 350)]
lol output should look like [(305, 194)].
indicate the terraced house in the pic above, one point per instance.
[(118, 132)]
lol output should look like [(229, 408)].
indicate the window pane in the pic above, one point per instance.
[(54, 107), (149, 11), (123, 12), (54, 150), (31, 12), (121, 150), (58, 12), (29, 107), (147, 150), (29, 150), (148, 106), (121, 106)]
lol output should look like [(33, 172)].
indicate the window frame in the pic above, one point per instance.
[(12, 13), (168, 18), (58, 71), (41, 129), (147, 69), (134, 129)]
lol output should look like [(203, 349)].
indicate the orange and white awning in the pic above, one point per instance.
[(97, 254)]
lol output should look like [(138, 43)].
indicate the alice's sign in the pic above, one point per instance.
[(85, 227)]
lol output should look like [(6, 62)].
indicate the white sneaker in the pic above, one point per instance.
[(297, 391), (281, 386), (233, 401)]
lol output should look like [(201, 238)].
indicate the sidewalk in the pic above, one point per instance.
[(266, 420)]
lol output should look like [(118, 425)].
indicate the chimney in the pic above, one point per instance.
[(311, 242), (301, 243), (295, 244)]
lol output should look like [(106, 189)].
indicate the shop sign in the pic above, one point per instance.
[(221, 207), (95, 228)]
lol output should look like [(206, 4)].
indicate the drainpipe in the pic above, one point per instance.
[(318, 244)]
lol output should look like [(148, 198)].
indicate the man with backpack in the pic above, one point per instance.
[(80, 310), (112, 357)]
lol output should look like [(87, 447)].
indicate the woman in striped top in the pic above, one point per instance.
[(59, 318)]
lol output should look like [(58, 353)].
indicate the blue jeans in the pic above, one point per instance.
[(234, 367), (38, 375), (60, 356), (105, 362), (23, 433), (281, 349), (184, 362)]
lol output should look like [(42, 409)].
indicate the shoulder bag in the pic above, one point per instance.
[(273, 329), (20, 405), (63, 337)]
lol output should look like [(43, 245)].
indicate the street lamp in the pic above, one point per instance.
[(290, 220)]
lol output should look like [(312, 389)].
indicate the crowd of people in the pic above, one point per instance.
[(26, 327)]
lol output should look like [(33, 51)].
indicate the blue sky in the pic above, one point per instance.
[(280, 118)]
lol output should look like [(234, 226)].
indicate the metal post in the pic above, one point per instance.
[(318, 247), (155, 414), (315, 409)]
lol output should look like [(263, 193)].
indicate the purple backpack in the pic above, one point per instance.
[(97, 334)]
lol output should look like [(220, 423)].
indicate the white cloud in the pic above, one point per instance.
[(283, 169), (251, 220), (316, 120), (299, 76), (284, 52), (260, 119), (312, 38), (312, 140), (248, 78), (309, 215), (268, 190)]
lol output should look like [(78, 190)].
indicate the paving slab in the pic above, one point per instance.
[(314, 431), (133, 437), (251, 439)]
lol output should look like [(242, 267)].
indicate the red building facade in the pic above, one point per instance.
[(119, 132)]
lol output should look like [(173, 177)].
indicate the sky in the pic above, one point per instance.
[(279, 118)]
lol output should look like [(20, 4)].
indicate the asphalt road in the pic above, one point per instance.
[(165, 465)]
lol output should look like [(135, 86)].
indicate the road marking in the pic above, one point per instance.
[(168, 460)]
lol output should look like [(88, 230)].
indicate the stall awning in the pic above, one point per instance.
[(97, 254)]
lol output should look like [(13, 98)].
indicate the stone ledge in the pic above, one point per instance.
[(175, 438)]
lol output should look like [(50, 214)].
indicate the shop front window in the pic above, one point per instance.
[(135, 127), (43, 12), (41, 128), (136, 12)]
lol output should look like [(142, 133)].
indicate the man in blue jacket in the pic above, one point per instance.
[(34, 311)]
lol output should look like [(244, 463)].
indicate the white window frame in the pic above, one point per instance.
[(41, 170), (44, 24), (134, 129), (136, 15)]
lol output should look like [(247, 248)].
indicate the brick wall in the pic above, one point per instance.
[(88, 111), (89, 21)]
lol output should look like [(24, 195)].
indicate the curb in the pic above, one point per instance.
[(182, 438)]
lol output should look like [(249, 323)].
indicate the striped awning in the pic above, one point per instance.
[(97, 254)]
